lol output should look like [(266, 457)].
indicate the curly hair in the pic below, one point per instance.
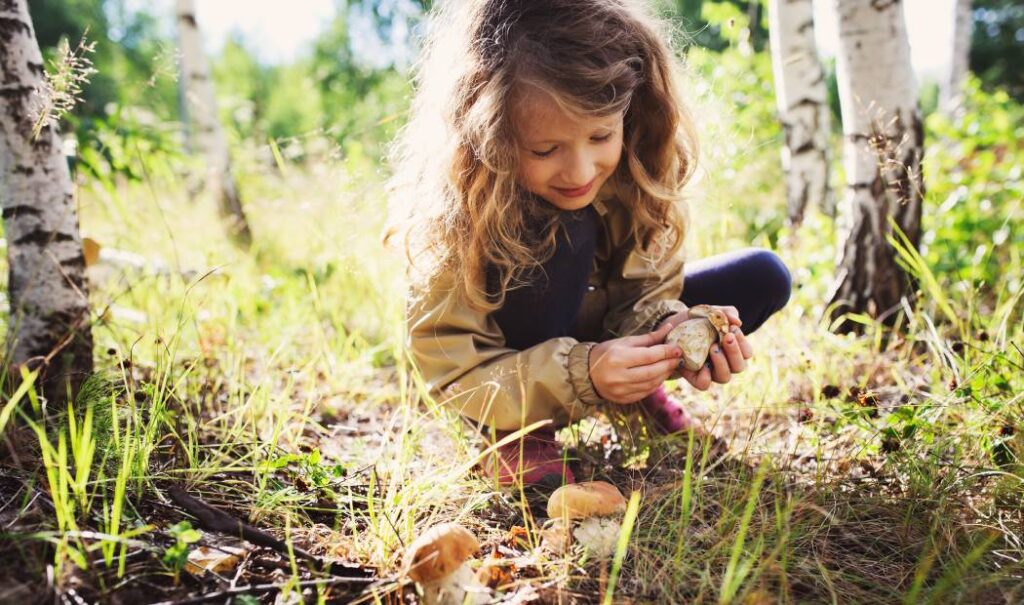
[(455, 162)]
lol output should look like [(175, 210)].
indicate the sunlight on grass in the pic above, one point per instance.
[(275, 385)]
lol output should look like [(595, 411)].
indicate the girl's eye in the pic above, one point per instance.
[(598, 139)]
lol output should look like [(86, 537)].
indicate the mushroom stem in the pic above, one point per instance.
[(599, 535), (453, 589)]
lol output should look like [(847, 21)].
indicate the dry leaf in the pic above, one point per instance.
[(91, 250), (219, 560)]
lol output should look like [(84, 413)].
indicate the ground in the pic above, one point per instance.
[(273, 386)]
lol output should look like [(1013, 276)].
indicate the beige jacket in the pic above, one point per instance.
[(462, 356)]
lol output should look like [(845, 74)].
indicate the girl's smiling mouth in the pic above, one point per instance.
[(580, 191)]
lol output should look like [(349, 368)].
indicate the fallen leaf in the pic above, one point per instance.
[(219, 560), (91, 251), (516, 536)]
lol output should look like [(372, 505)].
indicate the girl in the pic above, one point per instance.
[(543, 166)]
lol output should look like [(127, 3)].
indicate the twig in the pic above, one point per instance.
[(214, 519)]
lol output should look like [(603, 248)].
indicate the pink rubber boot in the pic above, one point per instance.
[(535, 458), (666, 415)]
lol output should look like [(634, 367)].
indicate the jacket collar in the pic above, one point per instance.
[(602, 201)]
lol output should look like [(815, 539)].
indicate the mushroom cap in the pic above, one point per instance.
[(439, 552), (719, 320), (587, 499), (694, 337)]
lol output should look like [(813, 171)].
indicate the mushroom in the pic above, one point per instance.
[(706, 326), (590, 512), (438, 562)]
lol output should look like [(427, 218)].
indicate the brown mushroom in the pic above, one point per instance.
[(695, 336), (590, 512), (437, 561)]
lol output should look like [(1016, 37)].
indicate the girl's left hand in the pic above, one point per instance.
[(726, 359)]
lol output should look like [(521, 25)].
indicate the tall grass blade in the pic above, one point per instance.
[(632, 510)]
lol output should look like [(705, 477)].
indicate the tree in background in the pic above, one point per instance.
[(882, 155), (802, 101), (963, 24), (205, 135), (49, 320), (128, 49)]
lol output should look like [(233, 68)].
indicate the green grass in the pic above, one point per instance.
[(274, 384)]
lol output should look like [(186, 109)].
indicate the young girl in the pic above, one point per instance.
[(543, 167)]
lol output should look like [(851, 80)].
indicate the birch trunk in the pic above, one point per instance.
[(802, 101), (49, 308), (882, 155), (205, 135), (963, 25)]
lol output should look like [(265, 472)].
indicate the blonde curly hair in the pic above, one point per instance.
[(461, 210)]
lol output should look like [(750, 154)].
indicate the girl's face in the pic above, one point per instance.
[(565, 159)]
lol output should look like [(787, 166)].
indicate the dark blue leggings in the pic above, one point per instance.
[(753, 280)]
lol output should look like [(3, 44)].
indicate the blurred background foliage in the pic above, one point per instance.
[(333, 101), (334, 91)]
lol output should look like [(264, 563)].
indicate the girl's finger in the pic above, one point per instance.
[(733, 314), (700, 380), (642, 390), (643, 356), (658, 371), (720, 372), (745, 348), (649, 339), (636, 392), (733, 354)]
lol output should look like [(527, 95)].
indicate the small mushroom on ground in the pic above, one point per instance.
[(590, 512), (438, 562), (706, 326)]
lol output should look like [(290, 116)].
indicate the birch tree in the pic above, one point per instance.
[(48, 325), (205, 134), (883, 146), (802, 101), (963, 25)]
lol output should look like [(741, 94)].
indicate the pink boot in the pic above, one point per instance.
[(535, 458), (666, 415)]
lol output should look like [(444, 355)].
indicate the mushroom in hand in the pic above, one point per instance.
[(438, 562), (590, 512), (706, 326)]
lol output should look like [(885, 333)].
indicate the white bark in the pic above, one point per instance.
[(963, 26), (205, 135), (802, 101), (882, 156), (49, 308)]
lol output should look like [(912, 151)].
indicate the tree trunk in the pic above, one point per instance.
[(202, 123), (882, 156), (963, 25), (49, 308), (802, 101)]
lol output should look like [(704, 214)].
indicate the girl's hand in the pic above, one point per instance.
[(726, 359), (625, 370)]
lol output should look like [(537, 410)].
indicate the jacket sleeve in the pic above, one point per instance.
[(644, 288), (462, 357)]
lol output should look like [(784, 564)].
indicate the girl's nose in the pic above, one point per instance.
[(579, 171)]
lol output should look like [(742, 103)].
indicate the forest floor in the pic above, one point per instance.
[(269, 390)]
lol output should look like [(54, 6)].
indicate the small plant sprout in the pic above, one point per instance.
[(438, 562), (590, 512), (706, 326)]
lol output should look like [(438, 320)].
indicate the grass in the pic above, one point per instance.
[(274, 385)]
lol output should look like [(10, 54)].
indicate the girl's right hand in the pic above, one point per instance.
[(625, 370)]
